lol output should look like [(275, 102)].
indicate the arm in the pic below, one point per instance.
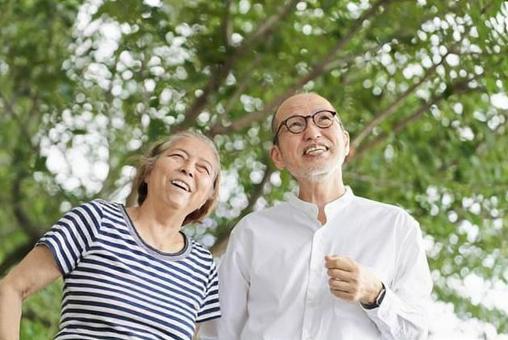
[(233, 291), (37, 270), (402, 312)]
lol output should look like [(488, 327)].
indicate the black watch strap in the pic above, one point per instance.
[(379, 299)]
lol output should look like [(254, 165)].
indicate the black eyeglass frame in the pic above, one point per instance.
[(312, 116)]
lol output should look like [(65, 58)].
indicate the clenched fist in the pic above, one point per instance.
[(350, 281)]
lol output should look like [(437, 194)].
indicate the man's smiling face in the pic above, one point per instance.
[(315, 151)]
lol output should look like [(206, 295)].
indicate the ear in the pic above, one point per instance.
[(276, 156), (148, 172), (346, 142)]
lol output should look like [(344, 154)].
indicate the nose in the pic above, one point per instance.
[(312, 131), (186, 169)]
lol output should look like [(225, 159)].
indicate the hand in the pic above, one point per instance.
[(350, 281)]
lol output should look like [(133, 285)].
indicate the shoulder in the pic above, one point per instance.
[(376, 206), (94, 213), (201, 251), (104, 206), (90, 211), (379, 211), (263, 216), (95, 206), (260, 223)]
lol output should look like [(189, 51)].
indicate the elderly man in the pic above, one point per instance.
[(326, 264)]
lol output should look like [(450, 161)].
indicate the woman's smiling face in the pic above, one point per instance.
[(183, 175)]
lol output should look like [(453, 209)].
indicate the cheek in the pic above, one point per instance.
[(205, 186)]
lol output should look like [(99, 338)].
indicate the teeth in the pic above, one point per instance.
[(315, 149), (181, 184)]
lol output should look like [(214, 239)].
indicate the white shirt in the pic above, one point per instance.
[(274, 285)]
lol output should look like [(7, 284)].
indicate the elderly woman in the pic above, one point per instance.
[(130, 273)]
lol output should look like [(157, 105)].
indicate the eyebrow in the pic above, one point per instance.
[(200, 158)]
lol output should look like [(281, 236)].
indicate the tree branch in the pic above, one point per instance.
[(316, 71), (381, 116), (222, 240), (242, 84), (226, 24), (457, 88), (223, 70)]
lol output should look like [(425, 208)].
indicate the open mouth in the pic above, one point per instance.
[(314, 150), (180, 184)]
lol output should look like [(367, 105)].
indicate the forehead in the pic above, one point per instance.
[(196, 147), (302, 104)]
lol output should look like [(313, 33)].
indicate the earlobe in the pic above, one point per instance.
[(276, 156)]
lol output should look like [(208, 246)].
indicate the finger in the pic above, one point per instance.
[(340, 286), (340, 262), (343, 295), (340, 274), (345, 263), (330, 261)]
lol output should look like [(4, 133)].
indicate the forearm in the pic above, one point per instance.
[(10, 312), (33, 273), (398, 319)]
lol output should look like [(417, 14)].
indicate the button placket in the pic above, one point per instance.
[(315, 264)]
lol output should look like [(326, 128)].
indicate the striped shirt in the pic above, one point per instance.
[(118, 287)]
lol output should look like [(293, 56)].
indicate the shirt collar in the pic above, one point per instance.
[(331, 209)]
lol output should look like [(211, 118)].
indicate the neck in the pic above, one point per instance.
[(160, 228), (321, 192)]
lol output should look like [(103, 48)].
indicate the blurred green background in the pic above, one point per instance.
[(420, 85)]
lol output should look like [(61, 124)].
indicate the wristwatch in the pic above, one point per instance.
[(378, 300)]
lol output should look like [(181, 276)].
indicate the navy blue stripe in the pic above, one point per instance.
[(209, 310), (134, 308), (134, 284), (82, 288), (96, 222), (80, 335), (198, 286), (54, 243), (119, 238), (84, 324), (77, 336), (104, 295), (195, 287), (209, 318), (171, 298), (155, 323)]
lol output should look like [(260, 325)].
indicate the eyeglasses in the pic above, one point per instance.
[(297, 124)]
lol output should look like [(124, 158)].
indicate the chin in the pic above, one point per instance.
[(318, 172), (177, 204)]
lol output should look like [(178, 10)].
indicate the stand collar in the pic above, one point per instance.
[(331, 208)]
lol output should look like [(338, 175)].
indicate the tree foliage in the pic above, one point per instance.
[(420, 85)]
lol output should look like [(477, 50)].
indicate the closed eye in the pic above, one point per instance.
[(204, 169), (176, 156)]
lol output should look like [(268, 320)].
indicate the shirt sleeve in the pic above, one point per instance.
[(73, 234), (403, 312), (210, 309), (234, 285)]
